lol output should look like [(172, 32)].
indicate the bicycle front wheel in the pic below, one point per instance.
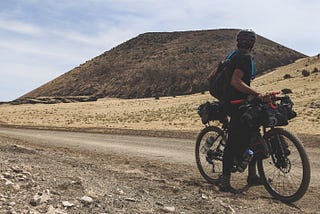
[(286, 173), (209, 162)]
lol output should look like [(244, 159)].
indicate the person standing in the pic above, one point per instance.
[(239, 136)]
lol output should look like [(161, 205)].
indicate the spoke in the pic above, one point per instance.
[(296, 159), (284, 183), (292, 180), (297, 178)]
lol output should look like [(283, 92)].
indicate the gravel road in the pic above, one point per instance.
[(71, 172)]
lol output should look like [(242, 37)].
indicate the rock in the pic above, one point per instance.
[(53, 100), (230, 210), (86, 200), (17, 170), (169, 209), (16, 187), (67, 204), (31, 211), (164, 181), (12, 203), (45, 196), (20, 177), (8, 183), (130, 199), (159, 203), (35, 200), (11, 211), (203, 196), (121, 192), (40, 198), (7, 175)]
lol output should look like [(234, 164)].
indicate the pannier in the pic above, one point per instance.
[(269, 114), (211, 111)]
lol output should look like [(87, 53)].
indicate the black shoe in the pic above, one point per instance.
[(229, 189), (254, 181), (224, 185)]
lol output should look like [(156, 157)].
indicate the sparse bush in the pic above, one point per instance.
[(203, 92), (157, 97), (286, 91), (315, 70), (305, 73), (286, 76)]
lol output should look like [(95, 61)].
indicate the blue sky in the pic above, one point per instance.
[(42, 39)]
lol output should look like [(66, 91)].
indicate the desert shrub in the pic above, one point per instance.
[(315, 70), (286, 91), (286, 76), (157, 97), (203, 92), (305, 73)]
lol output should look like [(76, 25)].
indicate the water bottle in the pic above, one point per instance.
[(246, 158), (207, 145)]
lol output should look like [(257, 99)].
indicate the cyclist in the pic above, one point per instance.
[(239, 136)]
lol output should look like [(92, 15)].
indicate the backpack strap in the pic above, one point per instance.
[(252, 63), (231, 54)]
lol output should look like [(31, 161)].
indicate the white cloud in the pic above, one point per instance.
[(19, 27), (43, 39)]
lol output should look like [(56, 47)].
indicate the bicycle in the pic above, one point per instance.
[(285, 171)]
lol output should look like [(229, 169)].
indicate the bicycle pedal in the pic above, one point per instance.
[(209, 160)]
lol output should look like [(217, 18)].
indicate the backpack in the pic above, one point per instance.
[(220, 82)]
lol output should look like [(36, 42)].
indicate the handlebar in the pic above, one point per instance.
[(255, 100)]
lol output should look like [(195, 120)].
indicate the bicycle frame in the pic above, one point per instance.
[(285, 153)]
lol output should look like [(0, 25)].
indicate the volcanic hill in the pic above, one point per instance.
[(160, 64)]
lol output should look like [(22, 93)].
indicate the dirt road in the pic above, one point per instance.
[(72, 172), (175, 150)]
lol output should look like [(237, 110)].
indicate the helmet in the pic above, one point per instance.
[(246, 39)]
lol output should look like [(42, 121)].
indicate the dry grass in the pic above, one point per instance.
[(170, 113)]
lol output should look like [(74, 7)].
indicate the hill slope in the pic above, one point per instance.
[(160, 64), (170, 113)]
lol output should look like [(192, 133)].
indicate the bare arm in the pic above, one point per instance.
[(237, 83), (212, 74)]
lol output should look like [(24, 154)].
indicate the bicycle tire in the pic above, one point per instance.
[(211, 177), (297, 152)]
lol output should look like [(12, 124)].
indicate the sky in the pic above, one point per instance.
[(43, 39)]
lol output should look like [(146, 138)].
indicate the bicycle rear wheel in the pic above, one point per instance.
[(286, 173), (209, 162)]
